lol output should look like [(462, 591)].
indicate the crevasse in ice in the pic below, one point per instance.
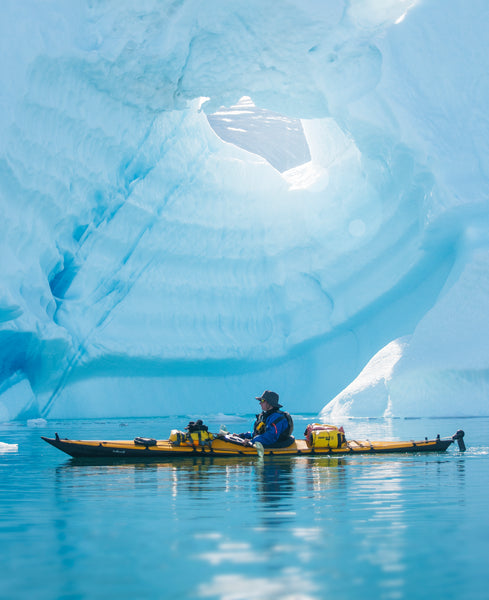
[(150, 266)]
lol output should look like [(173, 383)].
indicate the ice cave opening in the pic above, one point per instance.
[(277, 138)]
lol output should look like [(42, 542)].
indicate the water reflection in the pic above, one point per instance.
[(325, 473), (274, 488), (237, 515), (274, 480), (214, 527), (291, 583)]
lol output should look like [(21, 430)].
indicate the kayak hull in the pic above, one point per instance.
[(125, 449)]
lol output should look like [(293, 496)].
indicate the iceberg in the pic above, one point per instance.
[(200, 202)]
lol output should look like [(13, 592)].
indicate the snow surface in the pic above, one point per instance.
[(149, 266)]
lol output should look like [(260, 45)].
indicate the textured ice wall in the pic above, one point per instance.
[(149, 267), (437, 74)]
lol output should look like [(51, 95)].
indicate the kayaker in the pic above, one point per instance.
[(273, 427)]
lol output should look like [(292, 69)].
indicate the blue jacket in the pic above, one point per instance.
[(276, 425)]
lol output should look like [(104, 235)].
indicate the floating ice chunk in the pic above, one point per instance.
[(36, 422), (224, 418), (4, 447)]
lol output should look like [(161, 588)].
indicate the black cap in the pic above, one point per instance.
[(271, 398)]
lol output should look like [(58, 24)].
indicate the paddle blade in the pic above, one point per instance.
[(260, 450)]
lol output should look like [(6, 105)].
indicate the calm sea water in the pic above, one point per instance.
[(389, 527)]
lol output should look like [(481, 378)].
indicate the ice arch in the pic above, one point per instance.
[(149, 268)]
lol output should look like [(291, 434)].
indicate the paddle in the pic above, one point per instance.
[(260, 450), (258, 445)]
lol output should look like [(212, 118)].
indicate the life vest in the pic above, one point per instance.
[(177, 438), (197, 435), (261, 419)]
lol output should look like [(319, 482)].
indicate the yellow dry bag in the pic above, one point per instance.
[(320, 435)]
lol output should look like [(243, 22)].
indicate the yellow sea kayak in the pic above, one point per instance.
[(145, 448)]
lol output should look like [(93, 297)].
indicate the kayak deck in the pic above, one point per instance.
[(220, 447)]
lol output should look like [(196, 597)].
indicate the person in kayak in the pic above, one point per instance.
[(273, 427)]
